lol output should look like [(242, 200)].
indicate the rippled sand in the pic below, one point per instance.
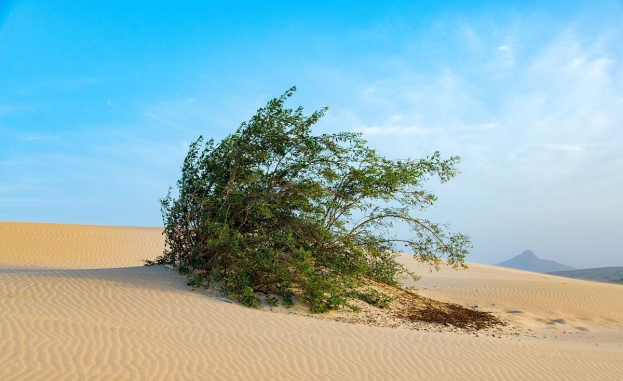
[(76, 303)]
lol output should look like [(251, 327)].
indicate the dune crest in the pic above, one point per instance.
[(66, 246)]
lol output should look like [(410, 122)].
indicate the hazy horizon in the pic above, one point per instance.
[(100, 101)]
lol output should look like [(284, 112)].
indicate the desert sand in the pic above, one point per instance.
[(76, 303)]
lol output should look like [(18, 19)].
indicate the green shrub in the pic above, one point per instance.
[(184, 269), (272, 301), (274, 208), (195, 281), (374, 297), (286, 298)]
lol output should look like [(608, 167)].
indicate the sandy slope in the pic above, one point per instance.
[(548, 305), (68, 311), (62, 246)]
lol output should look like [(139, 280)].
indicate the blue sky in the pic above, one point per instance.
[(99, 101)]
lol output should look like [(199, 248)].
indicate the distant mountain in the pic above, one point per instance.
[(529, 262), (601, 274)]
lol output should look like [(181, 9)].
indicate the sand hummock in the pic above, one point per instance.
[(76, 303)]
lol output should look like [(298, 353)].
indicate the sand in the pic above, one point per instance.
[(75, 304)]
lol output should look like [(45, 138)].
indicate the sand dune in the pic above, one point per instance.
[(63, 246), (545, 303), (76, 304)]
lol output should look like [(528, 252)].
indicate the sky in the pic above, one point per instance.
[(99, 101)]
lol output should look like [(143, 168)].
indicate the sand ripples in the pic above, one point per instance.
[(542, 298), (35, 245), (103, 322)]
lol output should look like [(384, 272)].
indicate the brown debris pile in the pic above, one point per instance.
[(413, 307), (412, 311)]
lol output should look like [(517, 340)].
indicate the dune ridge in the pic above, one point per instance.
[(69, 316), (67, 246)]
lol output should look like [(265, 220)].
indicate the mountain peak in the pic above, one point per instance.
[(528, 261), (527, 254)]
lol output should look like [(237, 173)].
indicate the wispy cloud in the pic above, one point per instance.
[(538, 127), (37, 137), (393, 130), (562, 147)]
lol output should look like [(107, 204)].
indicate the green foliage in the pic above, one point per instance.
[(286, 298), (247, 297), (195, 281), (272, 301), (184, 269), (374, 297), (355, 309), (158, 261), (274, 208)]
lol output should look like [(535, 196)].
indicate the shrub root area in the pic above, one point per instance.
[(412, 311)]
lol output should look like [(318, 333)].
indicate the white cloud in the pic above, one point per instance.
[(562, 147), (488, 126), (470, 38), (32, 138), (393, 130), (539, 130)]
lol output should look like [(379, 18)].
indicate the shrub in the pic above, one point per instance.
[(274, 208), (374, 298), (272, 301), (195, 281)]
